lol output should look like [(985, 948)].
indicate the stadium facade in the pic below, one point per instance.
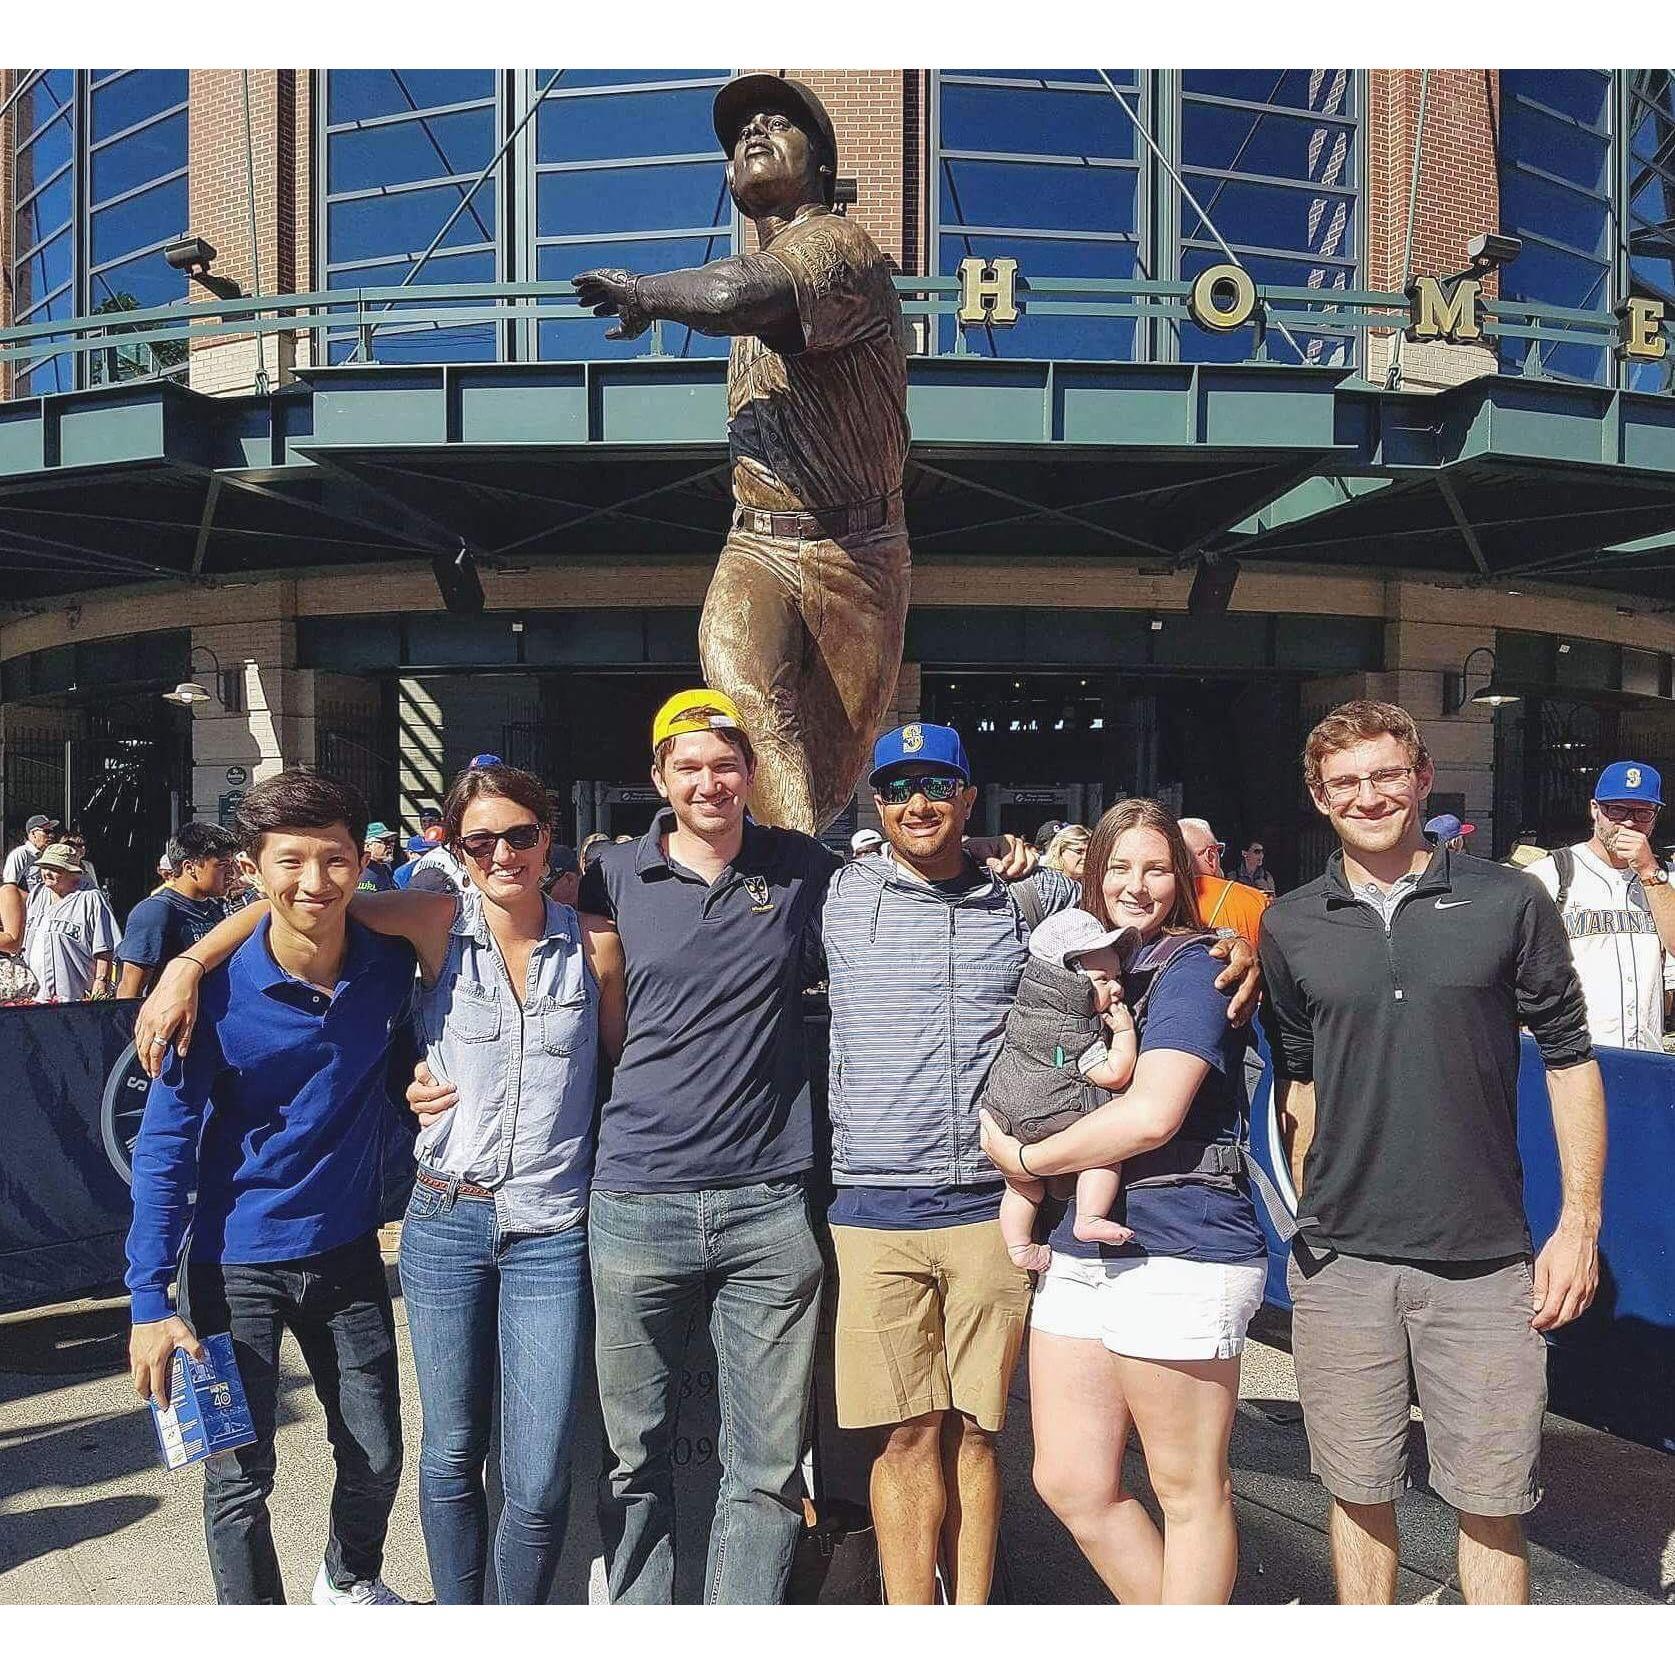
[(1194, 457)]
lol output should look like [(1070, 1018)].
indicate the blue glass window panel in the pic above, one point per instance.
[(148, 218), (1124, 79), (149, 280), (132, 98), (1317, 90), (623, 78), (1066, 198), (427, 347), (58, 306), (1254, 142), (359, 228), (1583, 94), (581, 340), (1048, 336), (1528, 204), (52, 377), (1277, 217), (53, 90), (464, 267), (1035, 123), (43, 273), (1556, 147), (457, 144), (50, 209), (659, 124), (352, 95), (147, 155), (632, 200), (45, 155)]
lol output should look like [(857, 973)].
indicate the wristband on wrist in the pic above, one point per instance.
[(192, 959)]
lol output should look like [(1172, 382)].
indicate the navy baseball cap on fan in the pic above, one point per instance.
[(920, 744), (1446, 827), (1630, 782), (486, 760)]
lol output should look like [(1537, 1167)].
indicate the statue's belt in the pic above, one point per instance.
[(828, 523)]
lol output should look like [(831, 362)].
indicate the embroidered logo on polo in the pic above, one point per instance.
[(912, 738), (757, 888)]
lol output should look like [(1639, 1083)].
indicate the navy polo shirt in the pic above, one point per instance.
[(275, 1118), (713, 1060)]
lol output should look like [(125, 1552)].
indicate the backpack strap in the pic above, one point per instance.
[(1564, 863)]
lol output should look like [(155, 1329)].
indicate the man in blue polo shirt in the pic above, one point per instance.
[(275, 1121), (698, 1203)]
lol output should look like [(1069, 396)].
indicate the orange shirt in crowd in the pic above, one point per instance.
[(1226, 905)]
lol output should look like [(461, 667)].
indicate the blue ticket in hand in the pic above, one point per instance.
[(209, 1414)]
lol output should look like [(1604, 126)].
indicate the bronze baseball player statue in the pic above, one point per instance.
[(803, 623)]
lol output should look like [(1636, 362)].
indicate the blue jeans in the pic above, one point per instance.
[(337, 1305), (479, 1303), (746, 1258)]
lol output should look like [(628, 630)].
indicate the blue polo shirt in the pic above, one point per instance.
[(275, 1118), (713, 1060)]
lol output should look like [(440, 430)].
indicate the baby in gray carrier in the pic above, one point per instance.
[(1070, 1043)]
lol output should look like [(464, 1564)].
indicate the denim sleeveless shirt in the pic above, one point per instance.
[(525, 1075)]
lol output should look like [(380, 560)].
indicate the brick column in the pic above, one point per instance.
[(219, 184), (1458, 197), (273, 727)]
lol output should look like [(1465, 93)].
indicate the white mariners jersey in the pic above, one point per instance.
[(1614, 941)]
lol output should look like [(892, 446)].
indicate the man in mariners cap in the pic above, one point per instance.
[(804, 619)]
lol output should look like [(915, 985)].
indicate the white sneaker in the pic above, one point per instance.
[(377, 1592)]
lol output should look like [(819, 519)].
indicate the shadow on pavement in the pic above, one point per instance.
[(66, 1346), (54, 1529)]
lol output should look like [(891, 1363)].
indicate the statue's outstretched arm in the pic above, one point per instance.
[(737, 295)]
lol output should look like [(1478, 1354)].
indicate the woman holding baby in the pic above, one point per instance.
[(1148, 1333)]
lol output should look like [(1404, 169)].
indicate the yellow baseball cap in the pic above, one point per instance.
[(698, 709)]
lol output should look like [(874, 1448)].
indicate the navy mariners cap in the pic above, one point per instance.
[(1446, 827), (1630, 782), (920, 744), (486, 760)]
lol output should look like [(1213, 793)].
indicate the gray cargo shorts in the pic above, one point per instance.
[(1479, 1366)]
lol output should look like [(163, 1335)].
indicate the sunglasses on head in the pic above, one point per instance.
[(936, 788), (480, 846)]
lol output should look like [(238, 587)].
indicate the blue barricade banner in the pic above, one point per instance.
[(72, 1114)]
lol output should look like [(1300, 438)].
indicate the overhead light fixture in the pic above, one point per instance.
[(1491, 693), (190, 693), (1212, 585), (458, 582)]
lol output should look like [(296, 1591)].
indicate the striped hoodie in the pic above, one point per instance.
[(921, 984)]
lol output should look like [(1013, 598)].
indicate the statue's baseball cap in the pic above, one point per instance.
[(1630, 782), (1444, 828), (920, 744), (709, 709), (743, 96)]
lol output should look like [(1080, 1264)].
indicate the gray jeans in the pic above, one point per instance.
[(745, 1259)]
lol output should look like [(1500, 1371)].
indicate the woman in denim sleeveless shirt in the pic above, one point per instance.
[(493, 1249), (515, 994)]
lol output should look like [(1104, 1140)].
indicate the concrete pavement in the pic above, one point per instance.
[(88, 1516)]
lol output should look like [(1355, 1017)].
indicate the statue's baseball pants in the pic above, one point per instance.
[(805, 635)]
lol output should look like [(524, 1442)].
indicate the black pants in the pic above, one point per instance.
[(337, 1305)]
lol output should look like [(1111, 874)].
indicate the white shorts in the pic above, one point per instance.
[(1157, 1308)]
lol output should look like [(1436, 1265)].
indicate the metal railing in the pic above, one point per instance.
[(362, 314)]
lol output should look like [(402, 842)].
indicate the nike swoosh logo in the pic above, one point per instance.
[(1443, 904)]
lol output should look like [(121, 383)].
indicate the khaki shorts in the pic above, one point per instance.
[(1479, 1366), (928, 1321)]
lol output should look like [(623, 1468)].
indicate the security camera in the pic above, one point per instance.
[(192, 256), (1493, 250)]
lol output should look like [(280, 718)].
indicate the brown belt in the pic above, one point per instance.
[(830, 523), (441, 1183)]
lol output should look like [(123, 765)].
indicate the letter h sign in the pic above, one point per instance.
[(988, 292)]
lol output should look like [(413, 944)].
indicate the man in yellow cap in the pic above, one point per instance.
[(804, 619)]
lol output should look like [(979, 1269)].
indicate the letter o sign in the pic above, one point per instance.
[(1223, 297)]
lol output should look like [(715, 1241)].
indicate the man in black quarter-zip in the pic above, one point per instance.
[(1396, 986)]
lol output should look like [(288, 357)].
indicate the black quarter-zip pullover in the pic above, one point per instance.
[(1410, 1036)]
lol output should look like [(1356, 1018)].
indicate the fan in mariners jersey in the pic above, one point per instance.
[(1618, 908)]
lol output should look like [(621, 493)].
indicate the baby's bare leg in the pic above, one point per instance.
[(1017, 1228), (1096, 1192)]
